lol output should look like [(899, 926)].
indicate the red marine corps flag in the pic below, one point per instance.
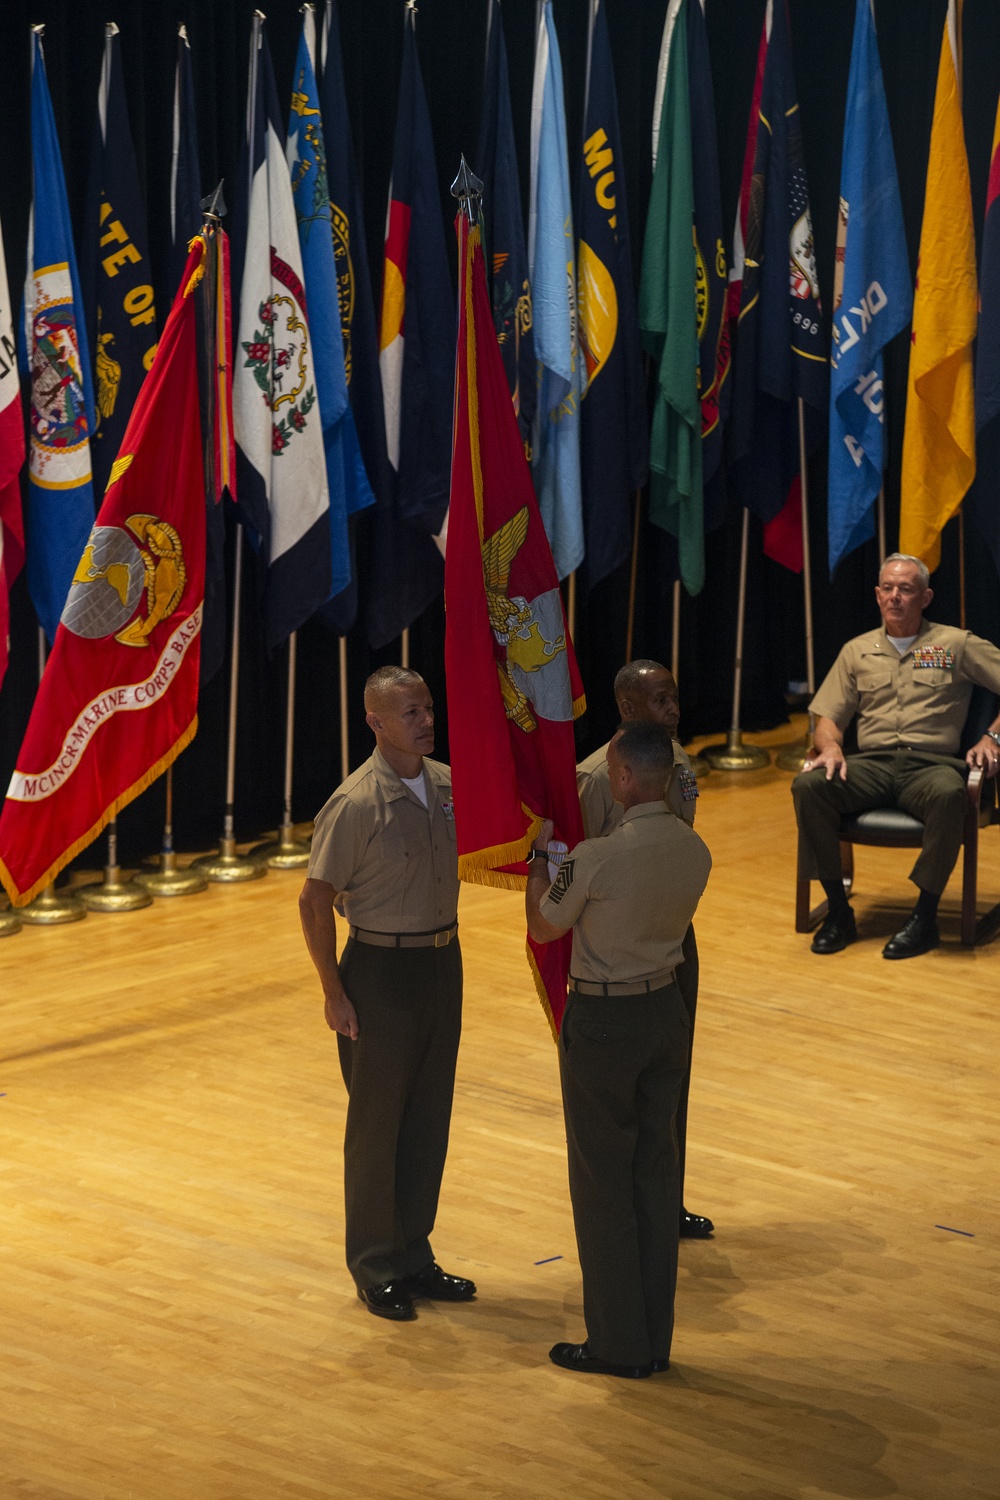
[(513, 684), (118, 701)]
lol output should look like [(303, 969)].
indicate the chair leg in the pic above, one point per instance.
[(802, 915), (970, 862)]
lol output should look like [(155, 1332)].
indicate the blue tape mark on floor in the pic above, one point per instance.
[(966, 1232), (548, 1260)]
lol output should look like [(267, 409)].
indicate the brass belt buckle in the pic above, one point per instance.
[(442, 939)]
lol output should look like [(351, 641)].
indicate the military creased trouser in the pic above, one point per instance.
[(686, 979), (929, 787), (400, 1076), (622, 1064)]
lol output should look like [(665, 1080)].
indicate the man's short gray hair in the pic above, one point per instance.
[(383, 680), (646, 749), (918, 563)]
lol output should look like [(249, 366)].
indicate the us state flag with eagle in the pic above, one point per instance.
[(513, 684), (119, 697)]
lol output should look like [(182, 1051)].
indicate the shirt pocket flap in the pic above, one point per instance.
[(872, 678), (932, 676)]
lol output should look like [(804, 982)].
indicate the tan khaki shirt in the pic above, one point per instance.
[(601, 813), (630, 896), (392, 861), (917, 701)]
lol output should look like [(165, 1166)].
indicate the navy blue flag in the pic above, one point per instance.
[(185, 171), (115, 273), (872, 299), (780, 352), (417, 360), (614, 442), (504, 245), (711, 276)]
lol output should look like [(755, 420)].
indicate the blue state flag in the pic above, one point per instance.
[(55, 351), (115, 272), (552, 273), (503, 228), (185, 171), (614, 434), (872, 297)]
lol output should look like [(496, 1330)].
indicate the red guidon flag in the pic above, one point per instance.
[(118, 700), (513, 684)]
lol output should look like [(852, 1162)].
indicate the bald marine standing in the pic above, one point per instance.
[(384, 857), (647, 693)]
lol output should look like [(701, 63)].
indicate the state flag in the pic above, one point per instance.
[(56, 354), (872, 298), (983, 504), (504, 247), (281, 467), (513, 684), (552, 274), (939, 437), (115, 272), (185, 169), (118, 699), (614, 442), (11, 460)]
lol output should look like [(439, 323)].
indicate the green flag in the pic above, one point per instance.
[(668, 317)]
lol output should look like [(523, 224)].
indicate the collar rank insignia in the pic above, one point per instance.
[(688, 783), (933, 656)]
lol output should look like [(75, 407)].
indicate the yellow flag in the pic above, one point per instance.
[(939, 440)]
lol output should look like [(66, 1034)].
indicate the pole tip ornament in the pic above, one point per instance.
[(468, 189), (214, 206)]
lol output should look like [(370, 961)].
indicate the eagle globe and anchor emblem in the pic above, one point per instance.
[(534, 668), (114, 573)]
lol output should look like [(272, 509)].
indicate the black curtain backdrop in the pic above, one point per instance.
[(451, 40)]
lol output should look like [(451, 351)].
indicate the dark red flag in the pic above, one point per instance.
[(513, 684)]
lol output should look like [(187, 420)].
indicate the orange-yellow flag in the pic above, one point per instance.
[(939, 441)]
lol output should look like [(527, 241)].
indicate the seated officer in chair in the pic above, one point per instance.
[(909, 684)]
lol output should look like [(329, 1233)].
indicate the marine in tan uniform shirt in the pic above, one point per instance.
[(646, 691), (909, 684), (384, 856), (624, 1049)]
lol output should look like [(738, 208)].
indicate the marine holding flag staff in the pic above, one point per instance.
[(384, 857), (623, 1052)]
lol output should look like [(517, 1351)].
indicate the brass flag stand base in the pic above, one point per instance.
[(162, 877), (168, 879), (734, 755), (10, 922), (286, 852), (794, 757), (52, 908), (114, 893), (228, 867)]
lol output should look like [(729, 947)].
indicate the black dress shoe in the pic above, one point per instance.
[(837, 931), (579, 1357), (437, 1285), (916, 936), (659, 1365), (390, 1300), (695, 1226)]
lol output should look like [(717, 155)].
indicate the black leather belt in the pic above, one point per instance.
[(620, 987), (439, 939)]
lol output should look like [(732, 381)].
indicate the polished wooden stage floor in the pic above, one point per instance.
[(178, 1323)]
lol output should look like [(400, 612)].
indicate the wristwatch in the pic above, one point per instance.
[(994, 736), (536, 854)]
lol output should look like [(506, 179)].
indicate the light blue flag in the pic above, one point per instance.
[(872, 297), (552, 273), (54, 351), (345, 470)]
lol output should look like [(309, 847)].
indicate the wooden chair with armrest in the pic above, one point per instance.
[(891, 828)]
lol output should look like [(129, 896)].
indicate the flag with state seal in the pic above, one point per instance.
[(118, 700), (55, 353), (513, 684), (11, 459)]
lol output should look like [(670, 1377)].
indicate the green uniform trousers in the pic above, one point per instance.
[(929, 787), (622, 1065), (400, 1076)]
